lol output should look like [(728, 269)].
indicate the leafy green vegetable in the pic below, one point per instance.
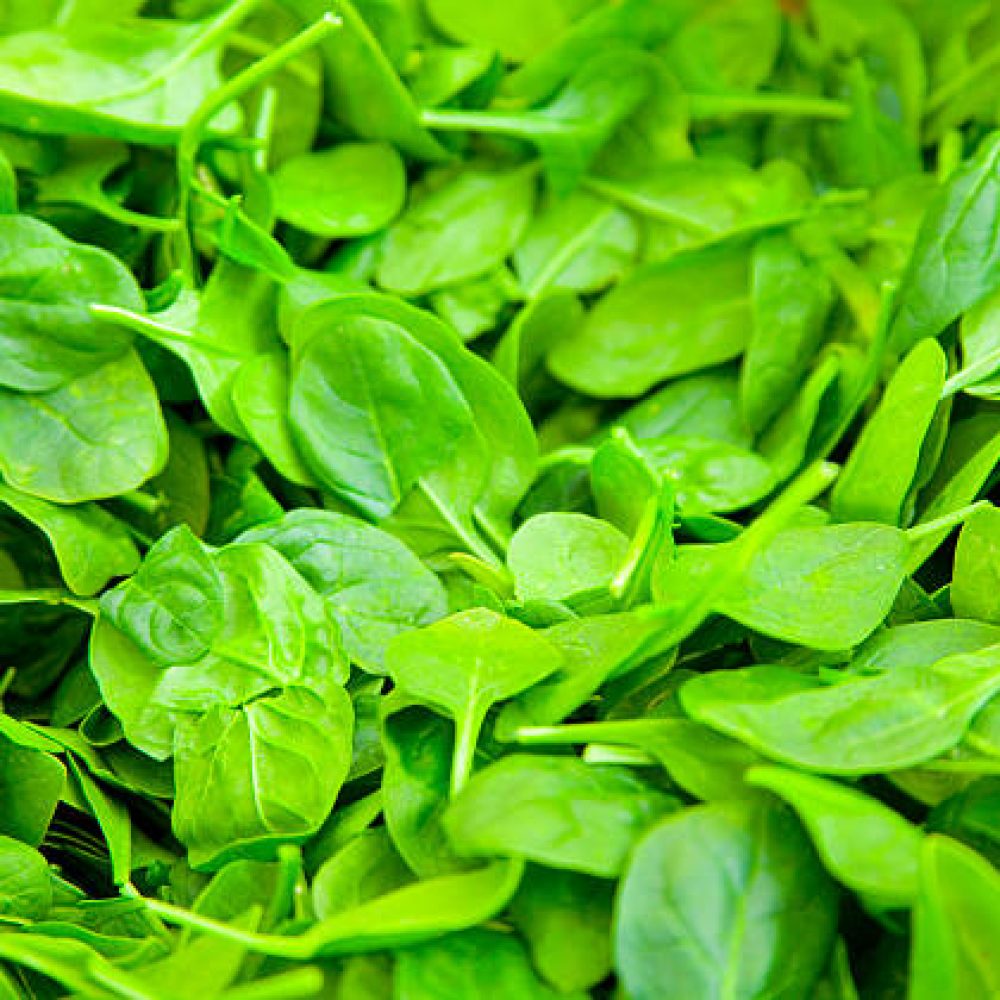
[(724, 898), (955, 919), (464, 665), (626, 346), (477, 496), (350, 190), (857, 725), (868, 847), (557, 811)]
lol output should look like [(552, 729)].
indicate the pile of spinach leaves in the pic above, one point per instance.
[(496, 499)]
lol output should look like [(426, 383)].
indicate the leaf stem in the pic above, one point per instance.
[(983, 65), (944, 523), (251, 45), (702, 106), (111, 209), (467, 730), (49, 595), (159, 332), (264, 944), (518, 123), (193, 132), (967, 377)]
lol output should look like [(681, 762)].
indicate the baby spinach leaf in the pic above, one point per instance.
[(362, 86), (370, 387), (921, 642), (25, 886), (970, 816), (955, 921), (135, 78), (375, 587), (261, 774), (363, 869), (862, 843), (696, 406), (707, 475), (463, 665), (594, 649), (880, 470), (31, 783), (90, 546), (974, 584), (415, 784), (47, 283), (579, 243), (102, 435), (801, 586), (347, 190), (477, 964), (465, 486), (556, 556), (517, 32), (570, 130), (791, 299), (517, 807), (701, 762), (416, 913), (956, 259), (565, 919), (725, 898), (869, 724), (630, 341), (197, 627), (461, 230)]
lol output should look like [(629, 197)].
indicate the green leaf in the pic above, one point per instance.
[(262, 774), (955, 923), (31, 784), (956, 260), (565, 919), (579, 243), (475, 965), (362, 87), (196, 628), (365, 868), (463, 665), (137, 78), (883, 463), (555, 556), (458, 231), (372, 387), (802, 586), (863, 844), (724, 900), (101, 434), (48, 336), (347, 190), (25, 886), (632, 340), (415, 784), (416, 913), (791, 299), (557, 811), (375, 587), (517, 31), (860, 725), (975, 586), (90, 546)]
